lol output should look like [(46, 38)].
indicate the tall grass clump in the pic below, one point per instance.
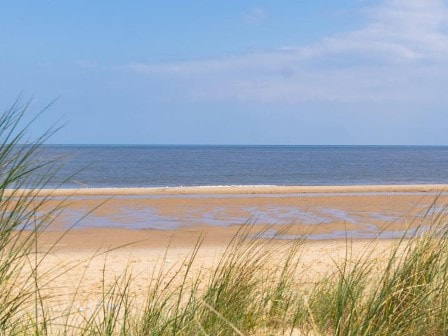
[(240, 296), (22, 217), (407, 296)]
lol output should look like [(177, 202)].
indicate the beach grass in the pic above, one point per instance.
[(407, 294)]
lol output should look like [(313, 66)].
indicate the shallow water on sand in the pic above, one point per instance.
[(325, 217)]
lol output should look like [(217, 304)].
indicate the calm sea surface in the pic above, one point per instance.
[(150, 166)]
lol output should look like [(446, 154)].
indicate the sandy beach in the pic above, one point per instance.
[(120, 234)]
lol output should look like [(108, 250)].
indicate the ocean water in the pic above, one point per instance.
[(161, 166)]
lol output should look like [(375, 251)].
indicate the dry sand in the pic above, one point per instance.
[(241, 189), (80, 273)]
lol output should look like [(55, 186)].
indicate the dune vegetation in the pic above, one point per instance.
[(407, 295)]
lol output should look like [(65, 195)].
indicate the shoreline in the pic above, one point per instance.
[(233, 189)]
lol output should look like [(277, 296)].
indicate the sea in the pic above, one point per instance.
[(116, 166)]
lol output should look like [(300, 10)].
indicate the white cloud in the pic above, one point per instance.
[(401, 53)]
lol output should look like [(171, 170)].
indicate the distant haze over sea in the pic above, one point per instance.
[(173, 165)]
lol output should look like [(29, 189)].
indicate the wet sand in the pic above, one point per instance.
[(109, 220)]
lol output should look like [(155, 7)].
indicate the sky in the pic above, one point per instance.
[(291, 72)]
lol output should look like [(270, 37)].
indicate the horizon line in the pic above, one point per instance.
[(245, 145)]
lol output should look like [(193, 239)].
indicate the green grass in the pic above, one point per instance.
[(243, 297), (240, 296)]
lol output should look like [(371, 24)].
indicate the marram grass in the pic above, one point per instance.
[(243, 297)]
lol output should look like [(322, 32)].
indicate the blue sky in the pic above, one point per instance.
[(233, 72)]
